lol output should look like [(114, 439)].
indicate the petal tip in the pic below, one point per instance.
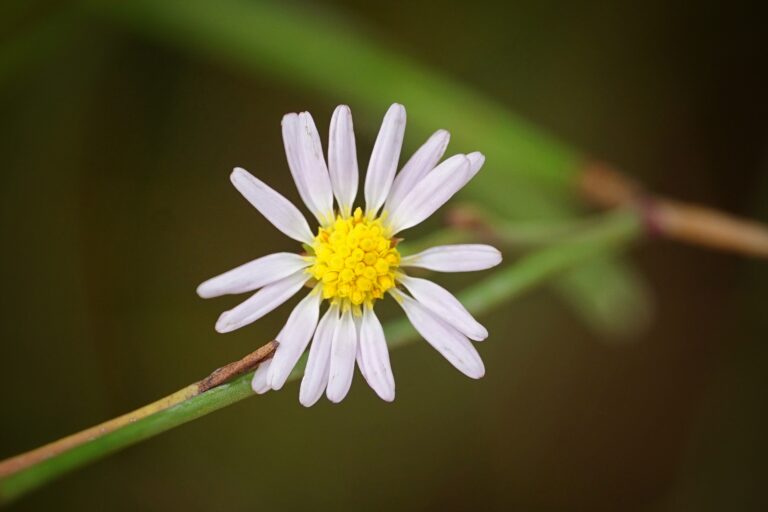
[(496, 256), (477, 160), (307, 401), (442, 137), (241, 178), (335, 396), (343, 109), (222, 325), (396, 109), (237, 172), (203, 292), (259, 387), (480, 335), (477, 372), (289, 117), (275, 378)]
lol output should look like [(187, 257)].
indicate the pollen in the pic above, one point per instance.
[(354, 260)]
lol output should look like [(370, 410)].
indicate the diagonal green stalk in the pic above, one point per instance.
[(614, 232), (315, 49), (529, 174)]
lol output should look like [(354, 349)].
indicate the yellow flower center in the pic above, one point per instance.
[(355, 260)]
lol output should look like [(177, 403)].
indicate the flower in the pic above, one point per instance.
[(353, 261)]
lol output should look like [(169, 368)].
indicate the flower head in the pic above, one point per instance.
[(355, 260), (352, 261)]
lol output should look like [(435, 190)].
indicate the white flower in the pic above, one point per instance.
[(353, 259)]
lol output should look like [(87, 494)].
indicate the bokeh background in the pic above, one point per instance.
[(116, 145)]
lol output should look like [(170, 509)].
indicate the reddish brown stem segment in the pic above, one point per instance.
[(607, 187), (232, 370)]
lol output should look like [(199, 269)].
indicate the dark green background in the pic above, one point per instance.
[(115, 204)]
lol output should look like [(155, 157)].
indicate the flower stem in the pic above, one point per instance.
[(18, 476)]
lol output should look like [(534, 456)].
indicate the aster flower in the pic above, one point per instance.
[(352, 261)]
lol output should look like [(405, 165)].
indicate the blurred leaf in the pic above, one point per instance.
[(528, 174), (32, 40), (612, 298)]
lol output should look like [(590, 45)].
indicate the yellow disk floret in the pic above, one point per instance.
[(354, 260)]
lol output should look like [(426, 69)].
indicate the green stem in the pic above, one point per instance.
[(613, 232)]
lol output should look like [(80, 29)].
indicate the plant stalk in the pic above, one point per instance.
[(612, 233)]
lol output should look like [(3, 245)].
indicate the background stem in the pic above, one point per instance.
[(684, 222)]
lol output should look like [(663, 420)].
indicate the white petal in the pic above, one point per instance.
[(316, 374), (274, 207), (423, 160), (431, 193), (261, 302), (305, 160), (442, 303), (294, 338), (384, 158), (453, 345), (476, 160), (359, 353), (343, 351), (259, 382), (374, 357), (342, 159), (253, 275), (455, 258), (359, 357)]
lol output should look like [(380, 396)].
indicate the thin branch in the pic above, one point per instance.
[(605, 186), (217, 378), (25, 472), (25, 460)]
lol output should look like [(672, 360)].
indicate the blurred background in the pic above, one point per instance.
[(116, 140)]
